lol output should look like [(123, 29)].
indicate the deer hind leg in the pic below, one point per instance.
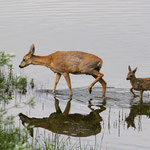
[(67, 77), (103, 83), (97, 75), (58, 75)]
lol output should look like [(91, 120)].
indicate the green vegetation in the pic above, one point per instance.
[(10, 137), (8, 81), (148, 113)]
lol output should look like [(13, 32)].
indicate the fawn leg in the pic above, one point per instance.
[(103, 83), (67, 77), (58, 75), (141, 95), (131, 90), (98, 76)]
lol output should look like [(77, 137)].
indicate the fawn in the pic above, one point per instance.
[(139, 84), (65, 62)]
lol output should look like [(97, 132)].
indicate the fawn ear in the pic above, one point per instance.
[(135, 70), (32, 50), (129, 68)]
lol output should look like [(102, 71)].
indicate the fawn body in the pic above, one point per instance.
[(139, 84), (65, 62)]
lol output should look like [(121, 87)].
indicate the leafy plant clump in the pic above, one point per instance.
[(5, 58), (8, 81), (12, 139)]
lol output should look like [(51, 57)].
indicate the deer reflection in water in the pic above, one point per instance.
[(77, 125), (137, 110)]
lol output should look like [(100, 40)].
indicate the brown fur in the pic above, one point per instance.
[(65, 62), (139, 84)]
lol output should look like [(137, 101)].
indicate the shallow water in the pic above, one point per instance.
[(115, 122), (116, 31)]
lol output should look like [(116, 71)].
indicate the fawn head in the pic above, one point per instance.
[(131, 73), (27, 59)]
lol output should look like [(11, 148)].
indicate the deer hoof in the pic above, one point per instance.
[(103, 95), (90, 90), (53, 92)]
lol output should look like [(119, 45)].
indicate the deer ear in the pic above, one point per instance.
[(32, 50), (129, 68), (135, 70)]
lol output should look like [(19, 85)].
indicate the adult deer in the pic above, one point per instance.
[(139, 84), (65, 62)]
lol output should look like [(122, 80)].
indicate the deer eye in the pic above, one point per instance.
[(24, 60)]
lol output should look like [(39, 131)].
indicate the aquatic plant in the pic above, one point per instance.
[(8, 81), (20, 83)]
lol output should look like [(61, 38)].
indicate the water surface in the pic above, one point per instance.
[(117, 31)]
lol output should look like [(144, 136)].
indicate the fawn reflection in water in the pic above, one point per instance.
[(139, 109), (77, 125)]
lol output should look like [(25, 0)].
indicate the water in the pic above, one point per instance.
[(117, 31), (115, 122)]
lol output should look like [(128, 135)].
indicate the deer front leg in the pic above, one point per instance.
[(141, 95), (134, 95), (67, 77), (58, 75)]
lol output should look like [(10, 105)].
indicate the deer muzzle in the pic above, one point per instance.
[(20, 66)]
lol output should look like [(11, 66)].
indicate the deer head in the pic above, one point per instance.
[(131, 73), (27, 59)]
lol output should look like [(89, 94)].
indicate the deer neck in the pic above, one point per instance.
[(41, 60), (133, 80)]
